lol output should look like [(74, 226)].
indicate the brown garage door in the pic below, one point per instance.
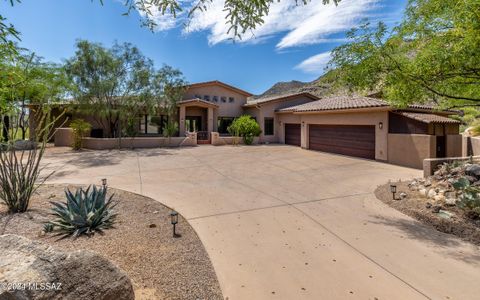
[(292, 134), (352, 140)]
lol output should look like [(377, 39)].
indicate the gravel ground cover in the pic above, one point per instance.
[(159, 265), (445, 218)]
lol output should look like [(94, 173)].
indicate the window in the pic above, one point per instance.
[(223, 123), (215, 98), (224, 99), (231, 99), (152, 124), (206, 97), (268, 126), (198, 97)]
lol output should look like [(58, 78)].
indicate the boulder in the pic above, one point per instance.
[(48, 273), (473, 170)]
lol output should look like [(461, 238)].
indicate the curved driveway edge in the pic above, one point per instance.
[(280, 222)]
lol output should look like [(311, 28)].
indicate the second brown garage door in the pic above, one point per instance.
[(292, 134), (351, 140)]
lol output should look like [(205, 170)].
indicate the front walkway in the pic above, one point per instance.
[(280, 222)]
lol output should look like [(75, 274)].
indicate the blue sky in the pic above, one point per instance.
[(293, 44)]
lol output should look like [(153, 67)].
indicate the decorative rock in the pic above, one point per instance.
[(439, 198), (436, 208), (403, 195), (153, 225), (427, 183), (451, 201), (473, 170), (431, 193), (445, 214), (71, 275), (428, 205), (423, 192), (472, 179)]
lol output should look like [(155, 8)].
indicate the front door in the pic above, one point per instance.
[(193, 123)]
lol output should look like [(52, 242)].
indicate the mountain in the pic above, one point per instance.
[(320, 87)]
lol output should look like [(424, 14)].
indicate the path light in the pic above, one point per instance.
[(174, 221), (393, 189), (104, 182)]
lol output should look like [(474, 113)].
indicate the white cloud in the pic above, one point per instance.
[(315, 64), (313, 23)]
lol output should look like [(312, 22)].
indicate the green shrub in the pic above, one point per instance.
[(470, 198), (170, 129), (246, 127), (80, 130), (85, 212)]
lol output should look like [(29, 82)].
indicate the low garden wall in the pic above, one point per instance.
[(470, 146), (410, 149), (138, 142), (218, 140), (64, 138)]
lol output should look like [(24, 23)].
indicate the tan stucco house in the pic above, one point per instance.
[(349, 125)]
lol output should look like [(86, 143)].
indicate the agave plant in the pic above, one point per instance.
[(470, 197), (85, 212)]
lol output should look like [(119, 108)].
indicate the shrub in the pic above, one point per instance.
[(85, 212), (170, 129), (469, 200), (80, 130), (246, 127)]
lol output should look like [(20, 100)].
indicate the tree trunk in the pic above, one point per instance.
[(6, 127)]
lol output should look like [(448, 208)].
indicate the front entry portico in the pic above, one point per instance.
[(196, 115)]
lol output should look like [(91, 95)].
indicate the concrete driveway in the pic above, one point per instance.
[(280, 222)]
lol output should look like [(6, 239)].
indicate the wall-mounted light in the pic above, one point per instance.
[(380, 125)]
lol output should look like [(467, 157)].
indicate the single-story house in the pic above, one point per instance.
[(349, 125)]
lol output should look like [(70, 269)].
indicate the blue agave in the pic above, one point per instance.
[(85, 212)]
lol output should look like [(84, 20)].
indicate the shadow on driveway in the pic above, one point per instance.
[(443, 241)]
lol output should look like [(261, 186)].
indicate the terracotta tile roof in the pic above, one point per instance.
[(196, 100), (428, 118), (337, 103), (256, 101)]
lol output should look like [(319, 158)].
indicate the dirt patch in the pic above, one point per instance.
[(160, 266), (422, 209)]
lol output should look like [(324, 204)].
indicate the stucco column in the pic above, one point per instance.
[(304, 135), (210, 119), (181, 122)]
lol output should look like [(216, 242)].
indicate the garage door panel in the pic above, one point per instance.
[(292, 134), (352, 140)]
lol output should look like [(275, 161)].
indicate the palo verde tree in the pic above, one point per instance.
[(26, 79), (169, 86), (109, 82), (431, 56)]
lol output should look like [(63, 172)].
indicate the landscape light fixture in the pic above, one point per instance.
[(393, 189), (174, 221), (104, 182)]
